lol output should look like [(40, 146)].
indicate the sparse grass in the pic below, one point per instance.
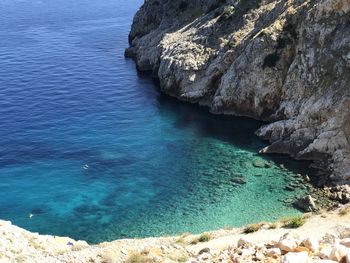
[(137, 257), (179, 258), (21, 259), (273, 225), (34, 243), (252, 228), (182, 258), (205, 237), (228, 12), (344, 211), (78, 247), (182, 238), (294, 222)]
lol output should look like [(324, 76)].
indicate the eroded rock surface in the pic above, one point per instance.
[(286, 62)]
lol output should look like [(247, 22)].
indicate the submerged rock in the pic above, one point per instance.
[(261, 164), (238, 180)]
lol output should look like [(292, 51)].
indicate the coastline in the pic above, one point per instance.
[(257, 60), (323, 236)]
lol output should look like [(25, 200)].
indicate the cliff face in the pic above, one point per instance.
[(286, 62)]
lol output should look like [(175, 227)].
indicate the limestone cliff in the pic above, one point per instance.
[(286, 62)]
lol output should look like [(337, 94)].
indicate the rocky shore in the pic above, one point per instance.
[(286, 62), (313, 238)]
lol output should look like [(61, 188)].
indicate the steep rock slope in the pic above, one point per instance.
[(286, 62)]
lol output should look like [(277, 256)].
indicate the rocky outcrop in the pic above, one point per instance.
[(286, 62)]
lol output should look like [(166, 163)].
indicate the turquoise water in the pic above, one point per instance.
[(93, 151)]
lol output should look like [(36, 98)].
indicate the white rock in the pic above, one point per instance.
[(347, 258), (247, 252), (299, 257), (288, 242), (338, 252), (311, 243), (244, 242), (273, 252), (325, 252), (259, 255), (324, 261), (345, 242)]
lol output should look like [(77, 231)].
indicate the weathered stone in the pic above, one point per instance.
[(288, 242), (345, 242), (204, 250), (273, 252), (347, 258), (311, 243), (296, 257), (244, 242), (301, 249), (338, 252), (306, 203), (324, 252)]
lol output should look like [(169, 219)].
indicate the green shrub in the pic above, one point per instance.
[(252, 228), (344, 211), (138, 257), (205, 237), (295, 222), (273, 225), (228, 12)]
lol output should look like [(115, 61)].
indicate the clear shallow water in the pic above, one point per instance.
[(93, 151)]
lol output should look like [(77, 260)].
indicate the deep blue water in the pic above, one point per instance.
[(93, 151)]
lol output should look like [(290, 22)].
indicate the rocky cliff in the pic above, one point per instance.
[(286, 62)]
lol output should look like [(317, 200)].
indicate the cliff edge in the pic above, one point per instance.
[(286, 62)]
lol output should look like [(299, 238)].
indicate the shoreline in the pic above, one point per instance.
[(248, 60), (329, 230)]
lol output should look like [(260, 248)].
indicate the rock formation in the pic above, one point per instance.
[(286, 62)]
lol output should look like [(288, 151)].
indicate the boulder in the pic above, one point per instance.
[(288, 242), (338, 252), (306, 204), (347, 258), (325, 252), (296, 257), (204, 250), (244, 242), (273, 252), (345, 242), (311, 243)]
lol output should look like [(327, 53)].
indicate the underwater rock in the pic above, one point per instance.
[(261, 164), (238, 180)]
